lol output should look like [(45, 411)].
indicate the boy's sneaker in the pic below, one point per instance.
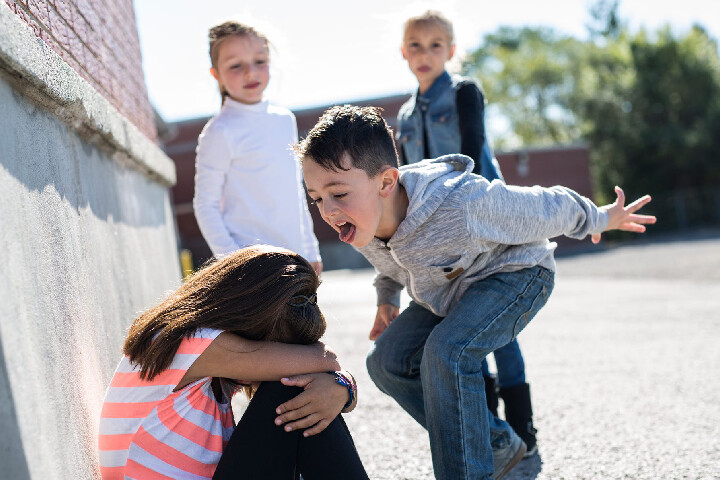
[(508, 450)]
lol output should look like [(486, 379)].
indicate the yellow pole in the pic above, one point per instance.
[(186, 263)]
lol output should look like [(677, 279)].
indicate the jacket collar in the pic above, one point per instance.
[(439, 85)]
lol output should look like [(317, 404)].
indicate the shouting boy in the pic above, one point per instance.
[(475, 259)]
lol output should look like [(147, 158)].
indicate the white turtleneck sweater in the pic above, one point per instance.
[(248, 184)]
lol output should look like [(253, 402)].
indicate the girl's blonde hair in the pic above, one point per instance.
[(428, 18), (219, 33), (259, 293)]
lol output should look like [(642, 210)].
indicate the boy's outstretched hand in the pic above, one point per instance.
[(624, 218)]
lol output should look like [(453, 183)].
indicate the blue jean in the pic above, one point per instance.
[(431, 366), (510, 365)]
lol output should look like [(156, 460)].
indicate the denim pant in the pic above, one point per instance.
[(510, 365), (431, 366)]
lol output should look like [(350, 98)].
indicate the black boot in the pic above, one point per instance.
[(518, 413), (491, 394)]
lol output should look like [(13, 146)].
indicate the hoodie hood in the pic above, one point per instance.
[(427, 184)]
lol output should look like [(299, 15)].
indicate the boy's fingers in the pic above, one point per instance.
[(638, 204), (378, 327), (632, 227), (620, 195), (642, 219), (319, 427), (595, 237)]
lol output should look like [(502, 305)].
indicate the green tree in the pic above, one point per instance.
[(529, 73), (647, 103), (657, 125)]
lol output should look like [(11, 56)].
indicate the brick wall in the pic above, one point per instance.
[(98, 39)]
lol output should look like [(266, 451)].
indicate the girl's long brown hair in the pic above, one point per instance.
[(252, 293)]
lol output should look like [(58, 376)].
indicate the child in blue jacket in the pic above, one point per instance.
[(445, 116)]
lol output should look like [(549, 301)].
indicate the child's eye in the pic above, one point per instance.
[(340, 195), (260, 62), (314, 201)]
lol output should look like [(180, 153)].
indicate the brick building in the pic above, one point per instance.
[(99, 40), (562, 165)]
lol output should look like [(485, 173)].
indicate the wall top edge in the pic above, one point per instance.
[(40, 74)]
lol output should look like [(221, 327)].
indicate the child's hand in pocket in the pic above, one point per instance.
[(316, 407)]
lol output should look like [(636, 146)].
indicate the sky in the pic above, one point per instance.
[(339, 51)]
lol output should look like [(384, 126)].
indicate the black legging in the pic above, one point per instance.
[(259, 449)]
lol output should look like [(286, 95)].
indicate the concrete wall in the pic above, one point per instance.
[(87, 240)]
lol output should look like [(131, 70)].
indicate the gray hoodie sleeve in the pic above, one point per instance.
[(388, 290), (514, 215)]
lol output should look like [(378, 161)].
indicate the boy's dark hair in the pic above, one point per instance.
[(361, 132)]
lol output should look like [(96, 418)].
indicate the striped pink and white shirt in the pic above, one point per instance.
[(147, 431)]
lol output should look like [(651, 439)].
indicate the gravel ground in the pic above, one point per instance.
[(623, 362)]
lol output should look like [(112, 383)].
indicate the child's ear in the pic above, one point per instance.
[(214, 73), (402, 49), (452, 51), (388, 181)]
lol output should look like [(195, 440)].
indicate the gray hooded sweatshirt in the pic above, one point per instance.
[(460, 228)]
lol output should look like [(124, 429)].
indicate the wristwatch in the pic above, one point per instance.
[(346, 382)]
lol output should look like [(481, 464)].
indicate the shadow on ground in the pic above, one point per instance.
[(528, 469)]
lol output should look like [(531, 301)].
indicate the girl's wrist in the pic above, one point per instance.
[(345, 379)]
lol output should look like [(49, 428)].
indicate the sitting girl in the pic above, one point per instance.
[(248, 318)]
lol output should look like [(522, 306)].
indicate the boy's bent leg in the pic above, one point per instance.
[(489, 315), (394, 360)]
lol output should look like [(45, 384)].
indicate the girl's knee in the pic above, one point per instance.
[(275, 392)]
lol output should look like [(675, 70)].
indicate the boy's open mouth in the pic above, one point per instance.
[(347, 231)]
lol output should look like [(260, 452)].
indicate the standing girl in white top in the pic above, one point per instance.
[(248, 186)]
